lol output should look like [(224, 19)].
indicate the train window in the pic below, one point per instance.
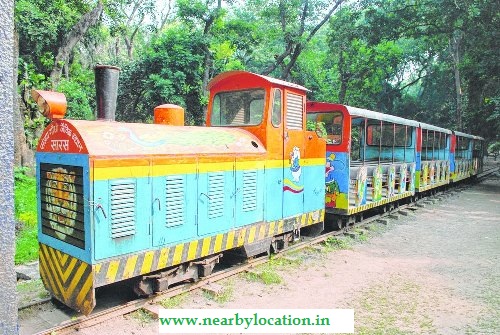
[(463, 143), (373, 135), (330, 123), (402, 136), (238, 108), (276, 116), (388, 135), (356, 132)]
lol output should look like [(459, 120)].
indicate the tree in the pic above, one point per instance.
[(462, 36), (71, 39), (128, 20), (169, 71), (206, 14), (290, 26)]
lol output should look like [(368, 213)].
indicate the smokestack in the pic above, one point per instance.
[(106, 85)]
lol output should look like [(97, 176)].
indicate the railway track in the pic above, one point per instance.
[(97, 317)]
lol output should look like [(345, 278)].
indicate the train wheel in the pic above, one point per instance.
[(340, 223), (313, 230)]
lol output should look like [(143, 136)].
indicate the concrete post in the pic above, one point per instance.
[(8, 302)]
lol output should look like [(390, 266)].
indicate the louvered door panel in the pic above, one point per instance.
[(123, 209), (175, 200), (294, 111), (216, 195), (249, 191)]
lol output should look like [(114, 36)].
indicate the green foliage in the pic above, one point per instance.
[(388, 55), (25, 211), (26, 246), (142, 316), (173, 302), (494, 148), (221, 297), (25, 197), (334, 243), (78, 100), (170, 71), (42, 25), (318, 127), (268, 277)]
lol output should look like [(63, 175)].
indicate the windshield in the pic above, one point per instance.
[(238, 108)]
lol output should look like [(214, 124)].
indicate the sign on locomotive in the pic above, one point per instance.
[(159, 203)]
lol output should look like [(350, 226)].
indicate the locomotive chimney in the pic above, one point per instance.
[(106, 85)]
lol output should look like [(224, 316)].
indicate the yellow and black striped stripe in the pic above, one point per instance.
[(428, 187), (353, 210), (122, 268), (68, 279)]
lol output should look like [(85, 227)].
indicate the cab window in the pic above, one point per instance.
[(238, 108)]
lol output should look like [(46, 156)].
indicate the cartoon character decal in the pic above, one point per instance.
[(403, 177), (445, 170), (431, 171), (361, 186), (411, 188), (377, 183), (295, 167), (336, 177), (61, 202), (296, 171), (425, 174), (438, 172), (391, 181)]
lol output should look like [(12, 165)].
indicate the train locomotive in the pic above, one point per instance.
[(160, 203)]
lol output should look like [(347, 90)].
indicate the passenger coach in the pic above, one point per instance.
[(371, 157), (433, 157), (466, 158)]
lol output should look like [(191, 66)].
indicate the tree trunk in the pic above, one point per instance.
[(74, 36), (208, 55), (23, 156), (455, 48)]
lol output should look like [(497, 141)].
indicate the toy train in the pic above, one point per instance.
[(160, 203)]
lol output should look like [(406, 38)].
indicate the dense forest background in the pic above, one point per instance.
[(435, 61)]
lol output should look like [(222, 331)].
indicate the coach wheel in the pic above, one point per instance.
[(339, 223)]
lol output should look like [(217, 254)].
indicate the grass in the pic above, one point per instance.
[(25, 210), (268, 273), (267, 277), (222, 297), (397, 306), (293, 261), (489, 321), (142, 316), (30, 291), (30, 286), (336, 243), (173, 302)]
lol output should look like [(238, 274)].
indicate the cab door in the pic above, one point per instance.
[(293, 145)]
